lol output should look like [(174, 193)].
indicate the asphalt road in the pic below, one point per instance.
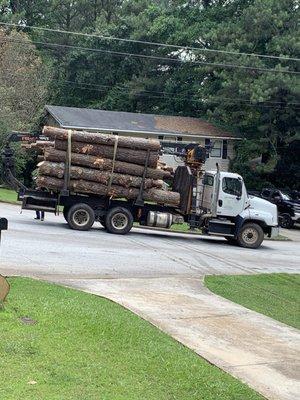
[(51, 249)]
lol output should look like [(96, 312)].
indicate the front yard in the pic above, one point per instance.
[(62, 344), (274, 295), (8, 196)]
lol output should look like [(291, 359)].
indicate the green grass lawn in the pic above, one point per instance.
[(275, 295), (88, 348), (184, 228), (10, 196)]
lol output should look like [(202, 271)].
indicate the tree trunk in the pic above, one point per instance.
[(105, 164), (81, 186), (102, 138), (103, 177), (123, 154)]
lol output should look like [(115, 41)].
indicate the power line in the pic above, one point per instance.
[(156, 58), (157, 44), (175, 96), (185, 96), (189, 99)]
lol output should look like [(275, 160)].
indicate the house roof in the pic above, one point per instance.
[(125, 122)]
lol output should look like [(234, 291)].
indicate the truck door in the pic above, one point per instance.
[(232, 194)]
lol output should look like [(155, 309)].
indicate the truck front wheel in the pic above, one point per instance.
[(81, 217), (118, 220), (250, 236)]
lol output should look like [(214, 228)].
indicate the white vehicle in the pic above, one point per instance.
[(232, 213), (216, 202)]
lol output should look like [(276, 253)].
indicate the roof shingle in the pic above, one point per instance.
[(115, 121)]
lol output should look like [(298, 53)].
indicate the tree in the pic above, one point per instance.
[(260, 106), (23, 87)]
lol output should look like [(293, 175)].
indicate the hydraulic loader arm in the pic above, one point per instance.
[(8, 162)]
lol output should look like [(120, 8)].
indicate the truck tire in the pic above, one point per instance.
[(285, 221), (81, 217), (250, 236), (66, 212), (118, 220)]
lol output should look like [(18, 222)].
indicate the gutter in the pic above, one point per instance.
[(147, 132)]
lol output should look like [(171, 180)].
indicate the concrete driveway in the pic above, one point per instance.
[(159, 276)]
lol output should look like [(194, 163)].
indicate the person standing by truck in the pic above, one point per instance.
[(40, 215)]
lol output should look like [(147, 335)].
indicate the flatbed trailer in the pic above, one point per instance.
[(82, 211), (215, 201)]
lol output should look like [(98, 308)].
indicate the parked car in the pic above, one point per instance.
[(288, 206)]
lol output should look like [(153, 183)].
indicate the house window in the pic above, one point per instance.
[(160, 137), (216, 150), (225, 149), (207, 146), (169, 142)]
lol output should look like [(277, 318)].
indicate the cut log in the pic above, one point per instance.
[(105, 164), (165, 167), (42, 143), (58, 170), (81, 186), (123, 154), (101, 138)]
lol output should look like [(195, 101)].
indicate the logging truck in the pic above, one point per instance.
[(214, 201)]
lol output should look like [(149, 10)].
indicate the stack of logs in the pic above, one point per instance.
[(101, 166)]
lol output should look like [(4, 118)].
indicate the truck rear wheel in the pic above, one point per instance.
[(118, 220), (81, 217), (250, 236)]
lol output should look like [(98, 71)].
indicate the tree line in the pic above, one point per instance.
[(179, 73)]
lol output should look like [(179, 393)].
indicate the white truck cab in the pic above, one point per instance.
[(231, 213)]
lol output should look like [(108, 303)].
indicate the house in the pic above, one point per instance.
[(165, 128)]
